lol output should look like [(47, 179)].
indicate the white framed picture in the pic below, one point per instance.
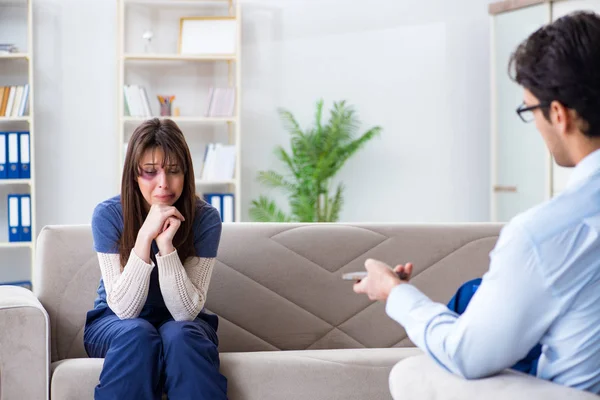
[(207, 35)]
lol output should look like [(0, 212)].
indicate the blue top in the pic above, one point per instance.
[(543, 286), (107, 227)]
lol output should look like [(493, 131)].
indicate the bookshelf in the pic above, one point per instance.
[(16, 69), (160, 69)]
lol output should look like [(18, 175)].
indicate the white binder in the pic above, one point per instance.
[(228, 208)]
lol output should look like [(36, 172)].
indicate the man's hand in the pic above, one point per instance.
[(382, 279)]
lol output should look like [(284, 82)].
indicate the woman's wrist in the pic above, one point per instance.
[(165, 248), (142, 247)]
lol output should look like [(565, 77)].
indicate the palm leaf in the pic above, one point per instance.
[(336, 204), (347, 151), (265, 210), (286, 159), (290, 123), (274, 180), (319, 115), (303, 207)]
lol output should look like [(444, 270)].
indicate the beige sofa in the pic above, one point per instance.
[(290, 328)]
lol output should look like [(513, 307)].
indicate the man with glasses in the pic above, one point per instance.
[(543, 285)]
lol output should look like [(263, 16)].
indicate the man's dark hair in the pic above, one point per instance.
[(561, 62)]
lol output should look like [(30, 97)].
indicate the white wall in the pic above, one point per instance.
[(75, 108), (417, 68)]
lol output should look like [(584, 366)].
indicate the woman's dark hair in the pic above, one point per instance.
[(561, 62), (167, 136)]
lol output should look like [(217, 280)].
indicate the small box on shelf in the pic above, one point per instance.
[(25, 284)]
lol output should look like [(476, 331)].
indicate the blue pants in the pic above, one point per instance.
[(459, 303), (146, 355)]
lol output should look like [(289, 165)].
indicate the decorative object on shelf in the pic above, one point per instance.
[(176, 112), (317, 154), (207, 35), (7, 48), (165, 105), (147, 36)]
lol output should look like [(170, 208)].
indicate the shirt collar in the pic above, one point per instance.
[(586, 168)]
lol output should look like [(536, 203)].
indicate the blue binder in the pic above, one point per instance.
[(3, 155), (25, 284), (24, 155), (215, 200), (14, 212), (12, 154), (25, 218)]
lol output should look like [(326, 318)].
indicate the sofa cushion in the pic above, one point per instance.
[(310, 374), (422, 378)]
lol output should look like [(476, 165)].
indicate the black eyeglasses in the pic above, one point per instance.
[(525, 112)]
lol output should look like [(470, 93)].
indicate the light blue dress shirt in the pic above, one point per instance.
[(543, 286)]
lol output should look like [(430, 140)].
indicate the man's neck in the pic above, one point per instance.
[(585, 147)]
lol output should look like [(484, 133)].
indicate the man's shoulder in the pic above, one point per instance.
[(567, 211)]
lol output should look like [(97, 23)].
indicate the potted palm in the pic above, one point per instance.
[(317, 155)]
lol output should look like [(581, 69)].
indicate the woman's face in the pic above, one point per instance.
[(159, 185)]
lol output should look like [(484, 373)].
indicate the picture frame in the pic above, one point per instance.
[(208, 35)]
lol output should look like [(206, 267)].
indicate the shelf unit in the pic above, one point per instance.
[(15, 55), (153, 70), (20, 32), (178, 57)]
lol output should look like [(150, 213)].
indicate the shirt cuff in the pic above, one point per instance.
[(169, 264), (139, 261), (403, 299)]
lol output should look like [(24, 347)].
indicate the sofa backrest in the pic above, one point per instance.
[(278, 286)]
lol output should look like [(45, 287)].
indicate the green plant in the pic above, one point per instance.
[(316, 156)]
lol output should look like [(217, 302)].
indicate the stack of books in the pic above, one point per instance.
[(14, 100), (221, 102), (219, 162), (137, 103)]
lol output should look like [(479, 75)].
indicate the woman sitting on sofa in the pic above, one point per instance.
[(156, 244)]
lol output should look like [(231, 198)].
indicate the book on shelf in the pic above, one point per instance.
[(136, 101), (219, 162), (221, 102), (14, 100), (224, 204), (15, 155), (19, 218)]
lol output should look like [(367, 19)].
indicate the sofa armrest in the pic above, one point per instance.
[(24, 345), (420, 377)]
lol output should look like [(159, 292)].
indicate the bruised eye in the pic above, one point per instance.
[(148, 173)]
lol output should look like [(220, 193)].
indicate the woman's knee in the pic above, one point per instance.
[(186, 334), (140, 332)]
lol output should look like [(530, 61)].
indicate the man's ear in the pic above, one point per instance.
[(561, 117)]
